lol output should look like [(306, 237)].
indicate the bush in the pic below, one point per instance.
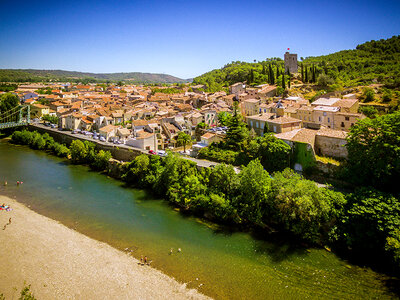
[(101, 159), (78, 151)]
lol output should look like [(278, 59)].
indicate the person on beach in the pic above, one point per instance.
[(170, 252), (145, 259), (141, 260), (17, 182), (5, 183), (9, 221)]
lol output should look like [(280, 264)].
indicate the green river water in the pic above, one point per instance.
[(223, 265)]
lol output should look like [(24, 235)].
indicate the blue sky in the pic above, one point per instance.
[(182, 38)]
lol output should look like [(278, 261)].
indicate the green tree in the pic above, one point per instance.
[(237, 132), (369, 111), (184, 139), (224, 118), (101, 159), (78, 151), (370, 225), (368, 95), (274, 153), (255, 186), (8, 101), (324, 80), (374, 152)]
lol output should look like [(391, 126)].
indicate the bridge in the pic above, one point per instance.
[(17, 116)]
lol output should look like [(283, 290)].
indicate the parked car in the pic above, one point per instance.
[(102, 139), (152, 152), (53, 125), (161, 153)]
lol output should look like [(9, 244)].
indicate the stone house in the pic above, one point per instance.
[(344, 121), (331, 143), (209, 138), (143, 140), (250, 107), (108, 132), (325, 115), (39, 110)]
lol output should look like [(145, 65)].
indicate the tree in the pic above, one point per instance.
[(255, 185), (237, 131), (369, 95), (302, 73), (369, 111), (370, 225), (324, 80), (306, 74), (8, 101), (283, 81), (224, 118), (78, 151), (274, 153), (374, 152), (184, 139)]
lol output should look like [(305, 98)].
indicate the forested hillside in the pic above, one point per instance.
[(374, 61), (11, 75)]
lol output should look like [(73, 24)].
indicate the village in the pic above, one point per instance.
[(149, 119)]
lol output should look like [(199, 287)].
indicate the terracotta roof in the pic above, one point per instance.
[(284, 120), (208, 135), (108, 128), (302, 135), (332, 133)]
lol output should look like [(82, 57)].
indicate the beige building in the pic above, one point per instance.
[(348, 105), (251, 107), (108, 132), (209, 138), (144, 140), (325, 115), (237, 88), (39, 110), (331, 143), (344, 121), (274, 123)]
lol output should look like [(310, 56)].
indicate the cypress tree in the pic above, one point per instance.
[(277, 72), (313, 74), (290, 76), (283, 81), (302, 73), (306, 75), (271, 75)]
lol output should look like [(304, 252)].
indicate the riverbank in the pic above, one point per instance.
[(61, 263)]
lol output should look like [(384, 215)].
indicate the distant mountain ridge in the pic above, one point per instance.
[(21, 75)]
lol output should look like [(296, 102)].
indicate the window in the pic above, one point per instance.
[(251, 123), (342, 125), (309, 118), (262, 125), (329, 120), (256, 124), (324, 113), (319, 119), (347, 118), (274, 129)]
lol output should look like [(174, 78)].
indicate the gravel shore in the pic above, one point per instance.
[(61, 263)]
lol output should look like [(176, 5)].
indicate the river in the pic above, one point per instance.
[(221, 264)]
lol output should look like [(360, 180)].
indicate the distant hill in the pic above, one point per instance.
[(31, 75), (374, 61)]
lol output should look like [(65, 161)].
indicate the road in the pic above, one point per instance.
[(200, 162)]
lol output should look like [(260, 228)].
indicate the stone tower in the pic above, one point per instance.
[(291, 62)]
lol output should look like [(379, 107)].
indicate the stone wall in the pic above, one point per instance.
[(119, 152), (330, 146)]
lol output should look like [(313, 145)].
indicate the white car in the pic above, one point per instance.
[(102, 139)]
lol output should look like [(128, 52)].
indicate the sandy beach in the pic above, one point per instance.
[(61, 263)]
